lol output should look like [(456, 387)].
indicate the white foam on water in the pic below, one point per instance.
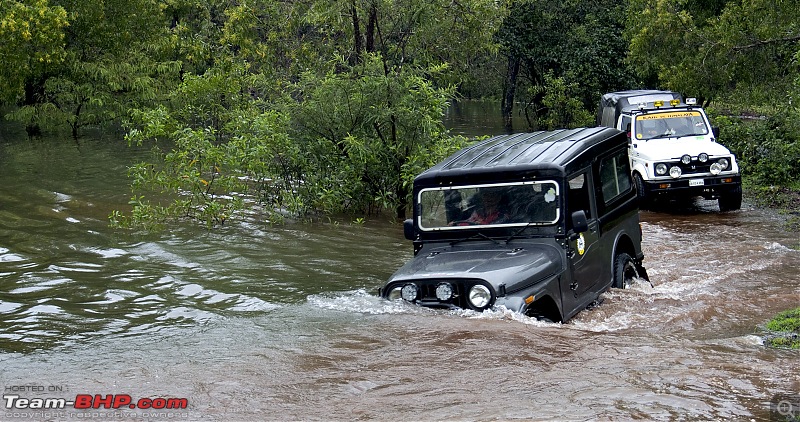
[(362, 302)]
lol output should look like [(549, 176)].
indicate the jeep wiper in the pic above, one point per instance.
[(455, 242), (517, 232)]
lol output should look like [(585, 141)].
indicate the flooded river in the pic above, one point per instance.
[(252, 322)]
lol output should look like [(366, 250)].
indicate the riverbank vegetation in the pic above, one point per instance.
[(785, 328), (316, 107)]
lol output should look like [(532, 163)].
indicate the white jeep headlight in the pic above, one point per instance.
[(394, 294), (724, 163), (479, 296), (661, 169)]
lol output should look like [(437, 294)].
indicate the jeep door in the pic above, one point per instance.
[(583, 258)]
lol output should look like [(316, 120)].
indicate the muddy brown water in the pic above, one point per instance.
[(251, 322)]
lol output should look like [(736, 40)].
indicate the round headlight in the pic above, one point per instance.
[(394, 294), (724, 163), (661, 169), (686, 159), (675, 172), (444, 291), (703, 157), (716, 168), (409, 292), (479, 296)]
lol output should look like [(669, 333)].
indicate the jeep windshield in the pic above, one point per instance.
[(496, 205), (670, 124)]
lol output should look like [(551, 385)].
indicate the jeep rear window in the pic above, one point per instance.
[(496, 205), (670, 124)]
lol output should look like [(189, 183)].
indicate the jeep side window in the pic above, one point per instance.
[(626, 125), (578, 196), (615, 176)]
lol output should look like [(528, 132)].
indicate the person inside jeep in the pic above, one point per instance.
[(490, 208)]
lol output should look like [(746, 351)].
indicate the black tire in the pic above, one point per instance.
[(731, 200), (624, 271), (641, 191)]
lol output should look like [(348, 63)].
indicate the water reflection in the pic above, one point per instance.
[(477, 118)]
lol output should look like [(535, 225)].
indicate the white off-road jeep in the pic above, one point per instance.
[(673, 150)]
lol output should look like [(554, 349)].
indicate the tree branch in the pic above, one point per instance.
[(766, 42)]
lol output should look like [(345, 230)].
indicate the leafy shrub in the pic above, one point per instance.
[(768, 150)]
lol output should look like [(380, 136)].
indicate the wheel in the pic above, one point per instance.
[(641, 191), (731, 200), (624, 271)]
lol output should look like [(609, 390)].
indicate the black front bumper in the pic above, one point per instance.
[(712, 186)]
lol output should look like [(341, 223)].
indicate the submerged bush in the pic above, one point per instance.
[(347, 141)]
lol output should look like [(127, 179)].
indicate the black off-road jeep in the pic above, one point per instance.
[(541, 223)]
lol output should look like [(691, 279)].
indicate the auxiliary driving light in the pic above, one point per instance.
[(686, 159), (716, 169), (675, 172), (409, 292), (703, 157), (444, 291)]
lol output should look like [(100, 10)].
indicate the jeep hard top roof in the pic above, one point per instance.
[(627, 100), (613, 104), (523, 156)]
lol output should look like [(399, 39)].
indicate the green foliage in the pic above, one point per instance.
[(786, 321), (787, 325), (349, 152), (110, 62), (215, 149), (363, 128), (563, 108), (768, 150), (31, 43), (710, 49), (574, 47)]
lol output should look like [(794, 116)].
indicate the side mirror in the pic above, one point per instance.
[(715, 131), (579, 222), (408, 229)]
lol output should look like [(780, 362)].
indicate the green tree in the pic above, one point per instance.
[(578, 43), (213, 149), (713, 49), (111, 61), (361, 125), (361, 129), (31, 46)]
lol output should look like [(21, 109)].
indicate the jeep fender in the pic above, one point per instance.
[(623, 243), (638, 167)]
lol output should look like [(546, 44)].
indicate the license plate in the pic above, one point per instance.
[(697, 182)]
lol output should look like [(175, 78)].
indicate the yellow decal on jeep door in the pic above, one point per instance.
[(581, 243)]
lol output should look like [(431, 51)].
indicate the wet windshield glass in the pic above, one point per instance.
[(671, 124), (496, 205)]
